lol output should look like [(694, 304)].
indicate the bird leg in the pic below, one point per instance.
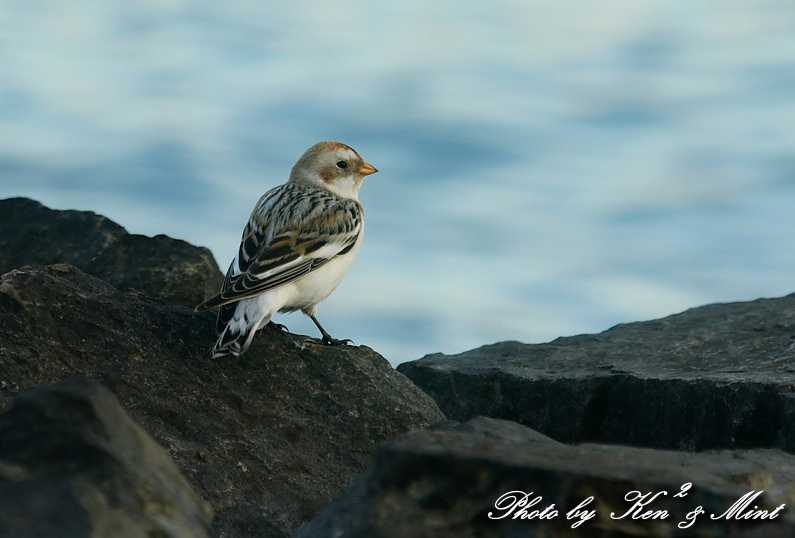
[(327, 339)]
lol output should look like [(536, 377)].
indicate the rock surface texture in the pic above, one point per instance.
[(267, 440), (445, 483), (160, 266), (717, 376), (73, 464)]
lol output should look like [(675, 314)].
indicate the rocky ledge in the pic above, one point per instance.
[(158, 266), (717, 376), (489, 478), (267, 440)]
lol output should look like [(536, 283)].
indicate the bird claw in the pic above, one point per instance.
[(278, 327), (327, 340)]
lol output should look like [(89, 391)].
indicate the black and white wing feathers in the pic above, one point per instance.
[(292, 231)]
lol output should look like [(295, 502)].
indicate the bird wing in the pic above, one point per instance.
[(292, 231)]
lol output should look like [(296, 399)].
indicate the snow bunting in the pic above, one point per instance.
[(300, 239)]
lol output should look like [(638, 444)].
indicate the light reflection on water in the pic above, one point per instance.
[(545, 169)]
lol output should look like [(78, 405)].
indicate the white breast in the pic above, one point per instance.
[(312, 288)]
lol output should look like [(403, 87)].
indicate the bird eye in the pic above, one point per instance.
[(342, 164)]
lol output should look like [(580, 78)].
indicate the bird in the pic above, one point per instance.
[(299, 241)]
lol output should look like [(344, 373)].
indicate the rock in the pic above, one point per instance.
[(445, 483), (718, 376), (159, 266), (267, 440), (74, 465)]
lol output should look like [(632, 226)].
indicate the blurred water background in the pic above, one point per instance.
[(546, 167)]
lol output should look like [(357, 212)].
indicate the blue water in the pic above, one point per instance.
[(546, 168)]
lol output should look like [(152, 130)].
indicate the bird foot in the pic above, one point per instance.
[(278, 327), (329, 341)]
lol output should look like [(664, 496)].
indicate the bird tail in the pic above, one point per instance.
[(236, 326), (232, 342)]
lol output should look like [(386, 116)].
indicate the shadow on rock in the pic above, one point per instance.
[(75, 465)]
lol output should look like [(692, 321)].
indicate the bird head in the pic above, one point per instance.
[(332, 166)]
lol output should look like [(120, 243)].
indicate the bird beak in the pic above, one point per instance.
[(366, 169)]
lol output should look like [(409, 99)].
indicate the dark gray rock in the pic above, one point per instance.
[(718, 376), (73, 465), (444, 484), (159, 266), (268, 440)]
